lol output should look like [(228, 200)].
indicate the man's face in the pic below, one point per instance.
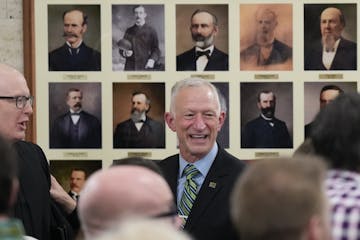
[(196, 120), (327, 96), (267, 104), (74, 28), (330, 24), (140, 15), (13, 121), (265, 25), (203, 29), (139, 104), (77, 180), (74, 100)]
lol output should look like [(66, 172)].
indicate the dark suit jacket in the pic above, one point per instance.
[(34, 206), (259, 134), (218, 61), (151, 135), (89, 132), (87, 59), (345, 57), (279, 54), (210, 215)]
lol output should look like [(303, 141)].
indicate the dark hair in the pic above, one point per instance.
[(79, 169), (336, 132), (8, 172), (215, 20), (72, 90), (138, 161), (331, 87), (85, 17)]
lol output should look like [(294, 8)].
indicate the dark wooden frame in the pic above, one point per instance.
[(29, 59)]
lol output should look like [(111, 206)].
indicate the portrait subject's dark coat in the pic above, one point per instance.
[(345, 57), (218, 61)]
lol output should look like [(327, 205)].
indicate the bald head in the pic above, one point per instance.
[(13, 120), (121, 191)]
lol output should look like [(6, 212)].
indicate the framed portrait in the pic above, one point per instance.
[(110, 28)]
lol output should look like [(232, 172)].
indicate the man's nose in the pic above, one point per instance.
[(199, 122)]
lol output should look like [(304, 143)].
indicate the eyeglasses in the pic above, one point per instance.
[(20, 101)]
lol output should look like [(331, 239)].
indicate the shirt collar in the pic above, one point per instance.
[(72, 111), (203, 164), (69, 45)]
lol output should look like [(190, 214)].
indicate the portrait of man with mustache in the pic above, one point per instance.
[(140, 130), (204, 56), (266, 131), (76, 128), (74, 54)]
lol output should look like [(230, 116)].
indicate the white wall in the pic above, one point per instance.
[(11, 34)]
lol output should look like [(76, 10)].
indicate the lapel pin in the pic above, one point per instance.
[(212, 184)]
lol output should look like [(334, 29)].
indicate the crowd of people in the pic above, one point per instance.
[(200, 193)]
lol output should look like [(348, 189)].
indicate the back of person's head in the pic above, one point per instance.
[(281, 199), (119, 192), (138, 161), (143, 229), (8, 177), (336, 132)]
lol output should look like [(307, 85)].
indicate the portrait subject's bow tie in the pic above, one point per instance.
[(75, 114), (202, 53)]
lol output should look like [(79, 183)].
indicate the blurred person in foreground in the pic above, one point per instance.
[(125, 191), (40, 195), (281, 199), (336, 137)]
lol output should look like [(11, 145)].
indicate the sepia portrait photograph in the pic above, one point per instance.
[(75, 115), (330, 37), (138, 111), (266, 37), (74, 37), (202, 37), (266, 115), (138, 37)]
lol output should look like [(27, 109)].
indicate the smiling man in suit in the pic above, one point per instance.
[(202, 175), (204, 56)]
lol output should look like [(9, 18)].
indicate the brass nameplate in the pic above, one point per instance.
[(266, 76), (267, 154), (140, 154), (75, 77), (139, 76), (331, 76), (204, 76), (76, 154)]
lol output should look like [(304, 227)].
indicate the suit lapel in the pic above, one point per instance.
[(214, 181)]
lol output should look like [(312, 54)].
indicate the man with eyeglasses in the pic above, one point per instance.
[(33, 206), (117, 193)]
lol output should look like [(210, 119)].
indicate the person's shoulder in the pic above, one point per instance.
[(281, 46), (219, 52), (124, 123), (230, 161), (169, 160), (186, 53), (253, 121), (346, 42), (26, 146), (58, 50), (279, 121), (90, 49)]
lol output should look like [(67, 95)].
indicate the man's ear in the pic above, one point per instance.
[(222, 118), (170, 121)]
